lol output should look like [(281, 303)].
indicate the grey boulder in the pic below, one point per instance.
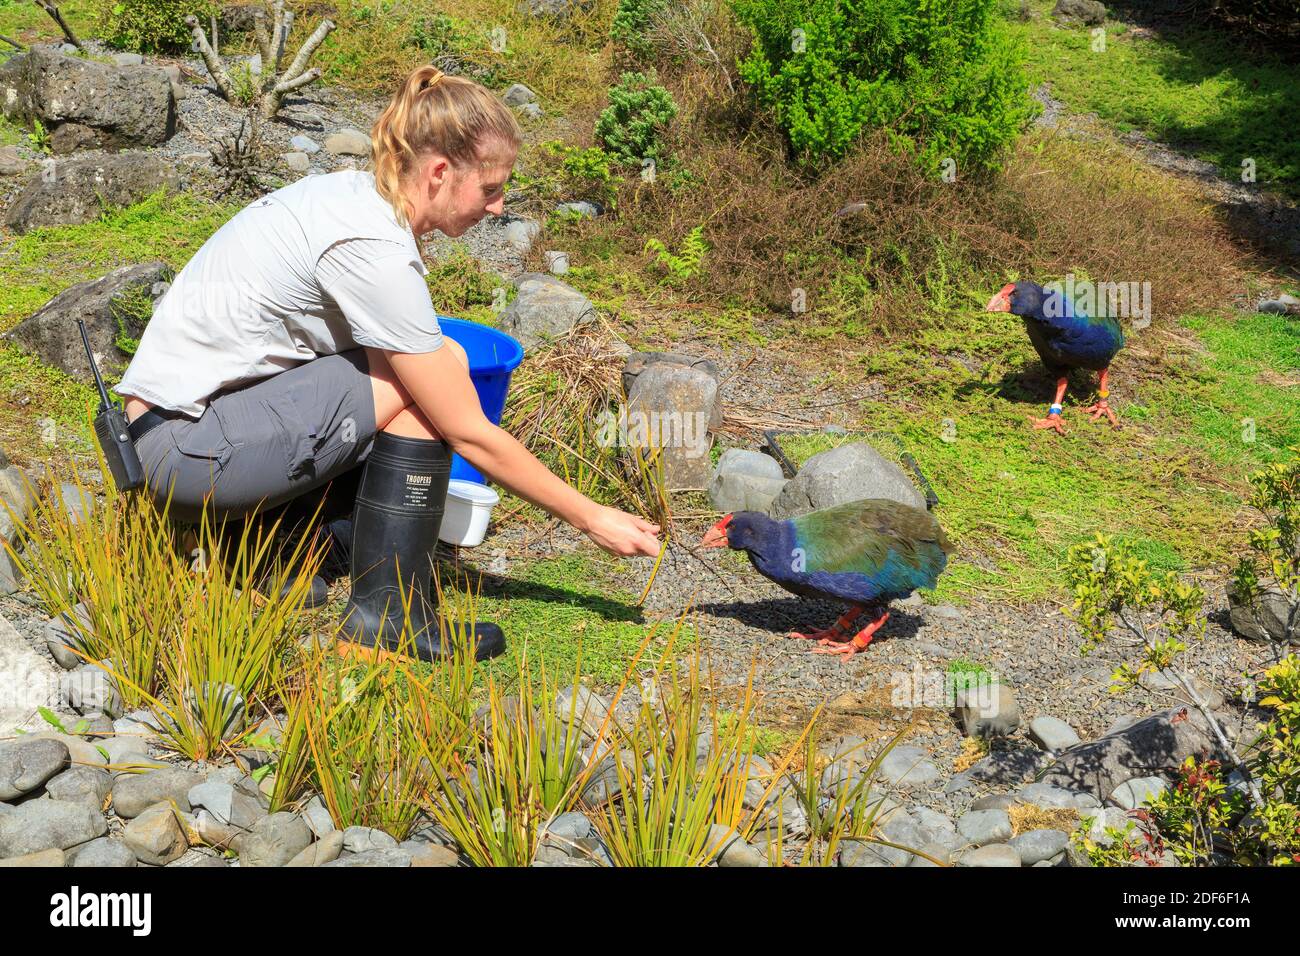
[(104, 851), (988, 710), (1089, 13), (1035, 846), (26, 765), (1156, 746), (544, 309), (134, 793), (37, 825), (45, 333), (1267, 617), (745, 480), (670, 408), (86, 104), (1052, 733), (156, 836), (79, 190), (81, 784), (274, 840), (850, 472)]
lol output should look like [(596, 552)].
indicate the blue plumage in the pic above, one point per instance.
[(1062, 334), (867, 552)]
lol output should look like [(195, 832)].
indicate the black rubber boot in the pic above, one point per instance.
[(398, 512)]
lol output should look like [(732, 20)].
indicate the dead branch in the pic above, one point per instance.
[(274, 84), (53, 10), (211, 60)]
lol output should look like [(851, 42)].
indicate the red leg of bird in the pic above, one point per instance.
[(838, 631), (1100, 407), (846, 649), (1053, 419)]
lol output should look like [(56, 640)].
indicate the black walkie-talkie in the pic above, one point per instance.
[(110, 429)]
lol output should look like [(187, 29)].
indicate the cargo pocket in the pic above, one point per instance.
[(204, 442), (295, 419)]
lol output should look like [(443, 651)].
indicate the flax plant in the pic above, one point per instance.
[(496, 795), (849, 813), (241, 613), (369, 732), (680, 798), (121, 562), (525, 765)]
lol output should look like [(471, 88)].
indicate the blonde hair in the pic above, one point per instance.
[(434, 112)]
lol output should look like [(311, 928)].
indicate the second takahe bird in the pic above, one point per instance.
[(1065, 339), (867, 552)]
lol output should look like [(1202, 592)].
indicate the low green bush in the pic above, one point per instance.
[(151, 26), (942, 76)]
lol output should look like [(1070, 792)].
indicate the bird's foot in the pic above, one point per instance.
[(837, 632), (1101, 408), (1052, 421), (846, 649)]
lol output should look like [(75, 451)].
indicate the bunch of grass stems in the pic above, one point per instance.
[(556, 400), (849, 814), (369, 732), (522, 767), (195, 638), (676, 805)]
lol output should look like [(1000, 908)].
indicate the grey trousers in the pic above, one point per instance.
[(266, 443)]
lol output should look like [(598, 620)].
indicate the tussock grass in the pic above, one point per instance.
[(919, 248), (850, 812), (192, 627), (355, 731), (525, 765), (675, 784)]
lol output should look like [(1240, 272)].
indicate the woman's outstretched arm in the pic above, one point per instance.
[(440, 386)]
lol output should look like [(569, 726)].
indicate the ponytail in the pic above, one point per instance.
[(434, 112)]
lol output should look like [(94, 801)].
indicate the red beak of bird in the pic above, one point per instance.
[(1002, 301), (716, 537)]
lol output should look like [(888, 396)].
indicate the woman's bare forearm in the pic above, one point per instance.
[(440, 385), (501, 456)]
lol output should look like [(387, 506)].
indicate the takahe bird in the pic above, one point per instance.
[(1064, 338), (867, 552)]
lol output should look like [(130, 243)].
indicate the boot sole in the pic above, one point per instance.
[(492, 643)]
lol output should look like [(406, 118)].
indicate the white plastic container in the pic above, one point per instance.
[(465, 519)]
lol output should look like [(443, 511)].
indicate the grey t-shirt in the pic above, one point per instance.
[(319, 267)]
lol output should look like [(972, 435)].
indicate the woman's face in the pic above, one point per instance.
[(452, 199)]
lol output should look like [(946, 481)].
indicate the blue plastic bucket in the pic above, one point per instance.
[(493, 357)]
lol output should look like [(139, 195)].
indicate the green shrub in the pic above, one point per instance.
[(151, 26), (1274, 562), (1252, 816), (631, 25), (942, 76), (688, 262), (631, 127)]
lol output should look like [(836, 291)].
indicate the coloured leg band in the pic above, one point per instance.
[(1054, 410)]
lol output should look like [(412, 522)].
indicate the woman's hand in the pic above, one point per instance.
[(621, 533)]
